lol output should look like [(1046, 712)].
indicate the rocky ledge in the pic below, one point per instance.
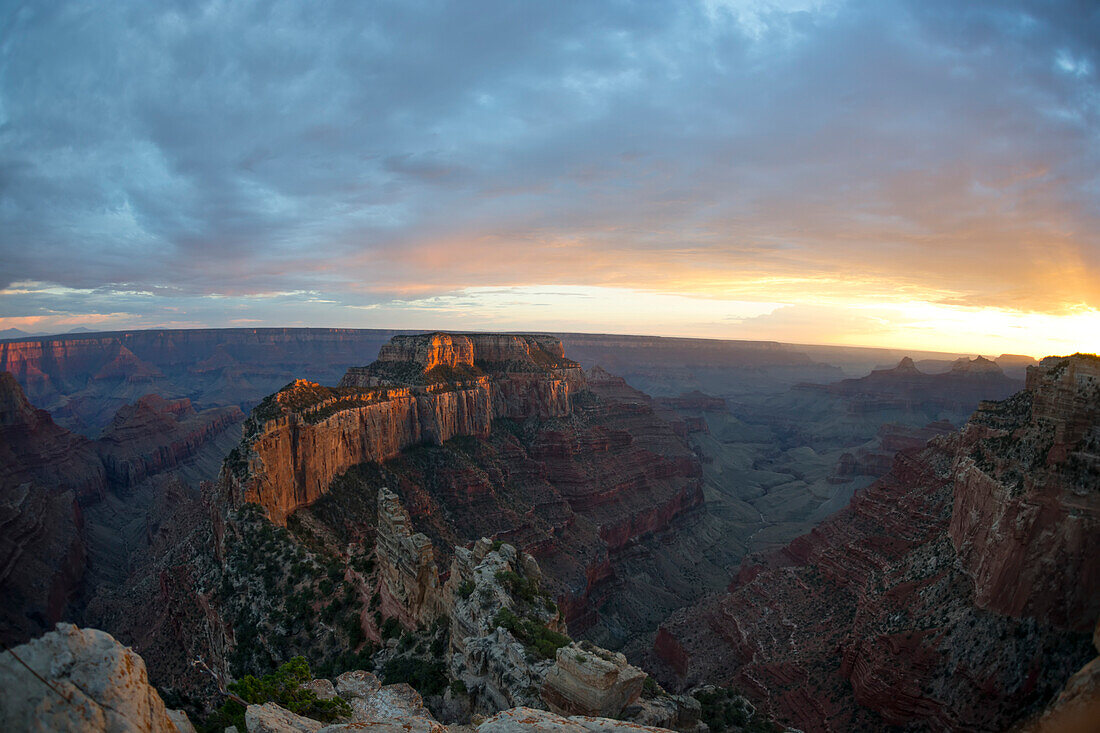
[(74, 679), (954, 593)]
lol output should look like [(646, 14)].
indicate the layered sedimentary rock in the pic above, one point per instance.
[(154, 435), (85, 681), (46, 475), (84, 379), (60, 507), (587, 680), (1027, 498), (306, 434), (878, 598), (33, 449), (410, 588)]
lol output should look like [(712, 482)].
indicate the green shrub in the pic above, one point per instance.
[(284, 687), (391, 628), (538, 639), (466, 589)]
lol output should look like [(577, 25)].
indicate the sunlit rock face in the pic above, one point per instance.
[(952, 593), (422, 389), (572, 470)]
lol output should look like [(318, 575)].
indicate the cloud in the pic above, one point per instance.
[(770, 151)]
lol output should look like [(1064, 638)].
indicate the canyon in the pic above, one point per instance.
[(967, 572), (461, 508), (72, 510)]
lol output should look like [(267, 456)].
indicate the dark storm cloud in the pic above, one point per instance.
[(358, 150)]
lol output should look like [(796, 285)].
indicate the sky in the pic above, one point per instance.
[(919, 174)]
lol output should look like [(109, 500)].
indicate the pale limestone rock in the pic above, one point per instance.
[(588, 680), (678, 712), (271, 718), (181, 721), (410, 580), (104, 684), (359, 683), (529, 720), (494, 666), (323, 689)]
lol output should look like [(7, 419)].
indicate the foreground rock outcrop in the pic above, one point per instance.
[(966, 574), (587, 680), (86, 681)]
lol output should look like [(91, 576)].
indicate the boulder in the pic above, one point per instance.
[(323, 689), (359, 683), (588, 680), (271, 718), (97, 685)]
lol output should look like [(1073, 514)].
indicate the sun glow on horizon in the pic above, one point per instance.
[(905, 323)]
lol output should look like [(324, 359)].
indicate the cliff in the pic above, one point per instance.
[(46, 475), (154, 435), (424, 389), (945, 595), (70, 505), (479, 435), (1026, 514)]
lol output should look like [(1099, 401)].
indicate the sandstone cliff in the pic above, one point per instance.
[(879, 601), (424, 389)]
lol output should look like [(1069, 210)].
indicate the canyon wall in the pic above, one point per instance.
[(575, 471), (70, 505), (305, 435), (967, 573)]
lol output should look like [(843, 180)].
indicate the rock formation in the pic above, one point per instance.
[(570, 469), (587, 680), (420, 391), (1026, 515), (496, 669), (906, 387), (154, 435), (60, 505), (879, 598), (81, 680), (409, 579)]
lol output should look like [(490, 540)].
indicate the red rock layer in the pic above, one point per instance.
[(292, 458), (576, 491), (153, 435), (47, 475), (1028, 537), (872, 618)]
